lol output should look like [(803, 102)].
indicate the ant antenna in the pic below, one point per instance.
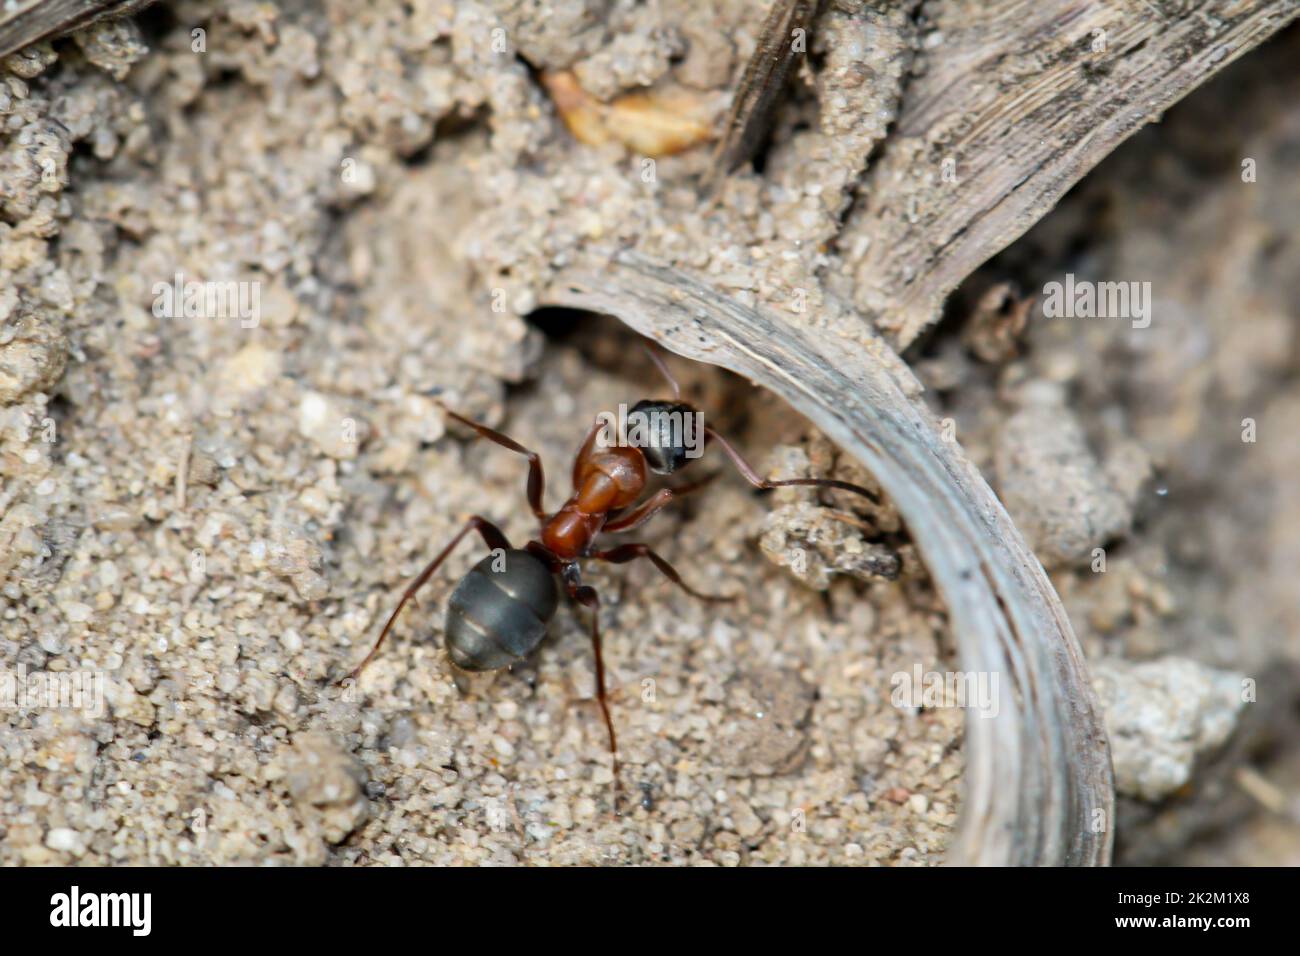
[(663, 369)]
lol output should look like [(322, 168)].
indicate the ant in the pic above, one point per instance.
[(499, 612)]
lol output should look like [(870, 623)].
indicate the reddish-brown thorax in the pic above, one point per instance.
[(604, 480)]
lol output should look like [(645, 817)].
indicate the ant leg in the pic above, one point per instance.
[(765, 484), (492, 537), (536, 477), (588, 598), (653, 505), (630, 552)]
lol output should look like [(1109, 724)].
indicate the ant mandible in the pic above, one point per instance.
[(499, 612)]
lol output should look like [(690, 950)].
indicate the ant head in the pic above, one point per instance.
[(669, 434)]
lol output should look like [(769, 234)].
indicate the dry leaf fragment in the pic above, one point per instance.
[(650, 123)]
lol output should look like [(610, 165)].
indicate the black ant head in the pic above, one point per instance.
[(669, 434)]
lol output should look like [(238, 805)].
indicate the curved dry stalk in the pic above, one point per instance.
[(1038, 779)]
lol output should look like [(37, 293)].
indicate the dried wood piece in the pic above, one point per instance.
[(1020, 99), (1038, 781), (24, 22)]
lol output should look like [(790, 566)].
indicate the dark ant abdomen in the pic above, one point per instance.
[(499, 612)]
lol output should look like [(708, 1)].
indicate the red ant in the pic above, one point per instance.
[(499, 611)]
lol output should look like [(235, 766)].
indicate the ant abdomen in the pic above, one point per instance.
[(499, 611)]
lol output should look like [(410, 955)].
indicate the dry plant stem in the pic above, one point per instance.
[(29, 21), (1069, 80), (1038, 781), (761, 85)]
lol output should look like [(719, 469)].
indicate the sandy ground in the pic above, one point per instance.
[(214, 516)]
